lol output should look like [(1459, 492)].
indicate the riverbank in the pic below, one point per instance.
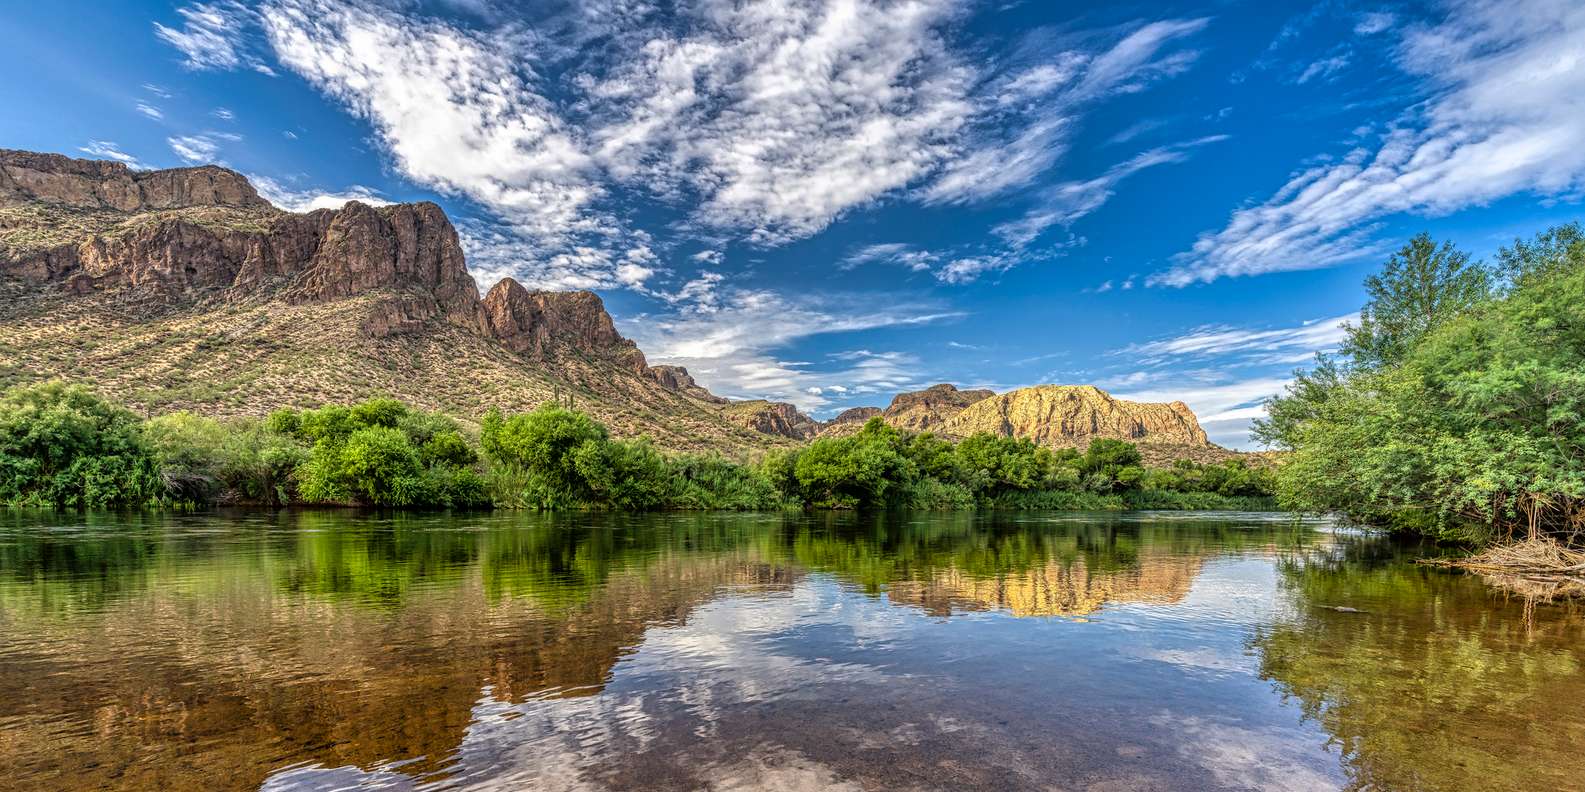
[(1538, 569)]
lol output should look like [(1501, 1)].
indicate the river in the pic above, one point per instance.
[(321, 650)]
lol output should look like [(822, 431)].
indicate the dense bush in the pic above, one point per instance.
[(60, 445), (382, 453), (554, 458), (1457, 406), (204, 460)]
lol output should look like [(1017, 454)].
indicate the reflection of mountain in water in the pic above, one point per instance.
[(190, 655), (1055, 588)]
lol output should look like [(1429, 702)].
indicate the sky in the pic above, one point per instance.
[(831, 201)]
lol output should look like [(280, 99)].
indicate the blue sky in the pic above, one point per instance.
[(829, 201)]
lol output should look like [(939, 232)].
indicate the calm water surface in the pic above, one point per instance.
[(323, 650)]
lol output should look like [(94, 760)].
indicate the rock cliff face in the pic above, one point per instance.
[(931, 408), (773, 418), (535, 323), (98, 184), (678, 380), (1072, 415)]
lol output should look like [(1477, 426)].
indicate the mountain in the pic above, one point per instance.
[(774, 418), (1072, 415), (1056, 416), (184, 289)]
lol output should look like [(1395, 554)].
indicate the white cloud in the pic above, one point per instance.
[(1064, 203), (1325, 69), (456, 109), (1225, 410), (223, 114), (194, 149), (1503, 117), (109, 150), (150, 110), (1000, 161), (729, 343), (767, 121), (781, 116), (1374, 22), (309, 200), (1263, 345), (158, 90), (898, 253), (213, 36)]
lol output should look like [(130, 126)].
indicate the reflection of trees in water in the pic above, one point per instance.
[(1441, 684), (180, 650)]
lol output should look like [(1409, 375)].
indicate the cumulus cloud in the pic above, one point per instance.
[(214, 36), (456, 109), (764, 122), (1502, 116)]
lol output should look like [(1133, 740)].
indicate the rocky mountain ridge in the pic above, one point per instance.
[(93, 254)]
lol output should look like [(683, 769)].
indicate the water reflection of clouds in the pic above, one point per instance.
[(1272, 758), (730, 653)]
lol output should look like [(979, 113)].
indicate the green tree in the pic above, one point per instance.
[(1420, 287), (537, 451), (1552, 253), (857, 471)]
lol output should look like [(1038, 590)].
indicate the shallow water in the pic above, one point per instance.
[(329, 650)]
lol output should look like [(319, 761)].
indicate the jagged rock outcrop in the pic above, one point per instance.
[(535, 323), (677, 379), (100, 184), (410, 252), (1072, 415), (774, 418), (855, 415), (931, 408)]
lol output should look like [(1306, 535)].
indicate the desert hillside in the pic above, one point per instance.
[(183, 289)]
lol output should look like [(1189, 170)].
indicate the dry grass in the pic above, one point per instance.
[(31, 227), (1537, 570)]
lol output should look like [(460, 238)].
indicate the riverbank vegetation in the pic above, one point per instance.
[(1455, 407), (60, 445)]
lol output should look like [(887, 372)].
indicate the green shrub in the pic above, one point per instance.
[(60, 445), (203, 460)]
